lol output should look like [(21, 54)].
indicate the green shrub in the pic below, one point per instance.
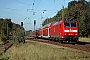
[(18, 36), (3, 39), (4, 58)]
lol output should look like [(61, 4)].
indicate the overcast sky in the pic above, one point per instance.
[(29, 10)]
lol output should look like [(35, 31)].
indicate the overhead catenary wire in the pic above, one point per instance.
[(9, 13), (52, 12), (47, 7), (38, 5), (23, 2), (34, 0), (11, 8), (15, 8), (35, 8), (4, 9)]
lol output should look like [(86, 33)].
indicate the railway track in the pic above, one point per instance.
[(83, 46), (5, 47)]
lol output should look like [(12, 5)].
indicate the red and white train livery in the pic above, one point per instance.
[(65, 30)]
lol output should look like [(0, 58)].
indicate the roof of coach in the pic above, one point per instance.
[(46, 25), (68, 21), (55, 23)]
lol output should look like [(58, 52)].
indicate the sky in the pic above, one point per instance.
[(27, 11)]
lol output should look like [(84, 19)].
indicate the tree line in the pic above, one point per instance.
[(76, 10), (11, 31)]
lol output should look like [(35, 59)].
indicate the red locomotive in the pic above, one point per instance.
[(64, 31)]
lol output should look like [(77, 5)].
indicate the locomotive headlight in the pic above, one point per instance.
[(76, 34), (65, 34), (71, 34)]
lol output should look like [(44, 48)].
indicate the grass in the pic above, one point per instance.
[(1, 42), (39, 51), (84, 39), (1, 48)]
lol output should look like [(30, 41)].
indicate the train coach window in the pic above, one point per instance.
[(73, 24), (66, 24)]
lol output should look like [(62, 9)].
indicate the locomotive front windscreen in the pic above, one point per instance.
[(69, 24)]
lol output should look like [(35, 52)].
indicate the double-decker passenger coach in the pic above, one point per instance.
[(64, 31)]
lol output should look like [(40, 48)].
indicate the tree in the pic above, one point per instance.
[(77, 10), (7, 28)]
